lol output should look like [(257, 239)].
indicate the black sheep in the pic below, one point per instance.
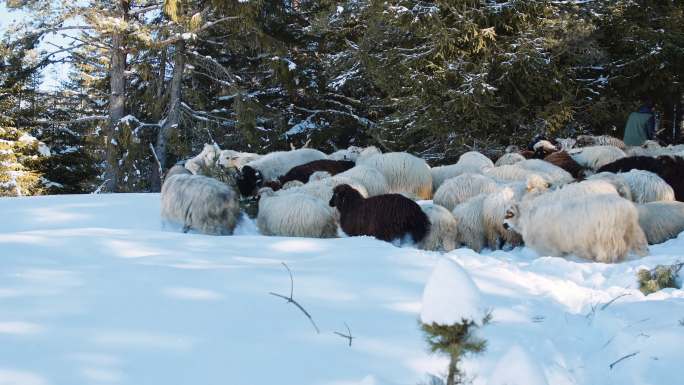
[(386, 217), (249, 180), (304, 171), (670, 168)]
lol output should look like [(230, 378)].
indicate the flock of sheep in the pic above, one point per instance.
[(591, 196)]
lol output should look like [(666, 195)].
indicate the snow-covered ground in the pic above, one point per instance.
[(93, 292)]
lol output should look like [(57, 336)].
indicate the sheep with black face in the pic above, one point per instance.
[(386, 217)]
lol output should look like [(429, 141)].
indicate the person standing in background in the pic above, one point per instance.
[(640, 125)]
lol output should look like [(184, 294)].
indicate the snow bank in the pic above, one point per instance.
[(450, 296), (92, 291), (517, 368)]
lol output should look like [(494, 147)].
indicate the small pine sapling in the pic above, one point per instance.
[(455, 341)]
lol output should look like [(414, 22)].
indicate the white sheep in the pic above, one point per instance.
[(661, 220), (600, 227), (554, 175), (237, 159), (493, 215), (470, 229), (566, 143), (594, 157), (371, 178), (469, 162), (200, 203), (442, 233), (404, 173), (644, 186), (584, 190), (277, 163), (295, 215), (455, 191), (367, 153), (322, 187), (544, 145), (177, 169), (206, 158), (510, 173), (509, 158), (350, 153)]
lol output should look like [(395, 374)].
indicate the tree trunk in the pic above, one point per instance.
[(173, 116), (453, 371), (117, 100), (157, 173)]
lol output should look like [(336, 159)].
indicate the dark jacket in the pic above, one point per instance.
[(640, 127)]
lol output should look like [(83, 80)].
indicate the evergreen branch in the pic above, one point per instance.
[(293, 301), (206, 26)]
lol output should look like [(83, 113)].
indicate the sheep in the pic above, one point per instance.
[(404, 173), (177, 169), (604, 228), (386, 217), (469, 162), (661, 220), (200, 203), (563, 160), (294, 215), (566, 143), (371, 178), (304, 171), (480, 220), (470, 226), (493, 214), (351, 153), (595, 157), (644, 186), (508, 158), (206, 158), (510, 173), (455, 191), (670, 168), (543, 148), (367, 153), (273, 165), (586, 189), (442, 234), (555, 175), (601, 140), (237, 159), (322, 184)]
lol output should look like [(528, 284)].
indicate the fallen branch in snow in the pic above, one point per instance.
[(622, 359), (347, 336), (292, 301)]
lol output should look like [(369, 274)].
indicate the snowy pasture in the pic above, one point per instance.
[(92, 291)]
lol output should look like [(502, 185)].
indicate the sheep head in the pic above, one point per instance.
[(249, 180), (512, 218), (345, 197)]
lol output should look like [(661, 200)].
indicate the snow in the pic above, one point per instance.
[(450, 296), (92, 291), (517, 368)]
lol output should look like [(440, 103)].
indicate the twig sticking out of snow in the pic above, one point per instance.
[(622, 359), (347, 336), (605, 305), (292, 301)]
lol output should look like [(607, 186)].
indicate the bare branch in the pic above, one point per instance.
[(348, 335), (292, 300), (622, 359), (604, 306)]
